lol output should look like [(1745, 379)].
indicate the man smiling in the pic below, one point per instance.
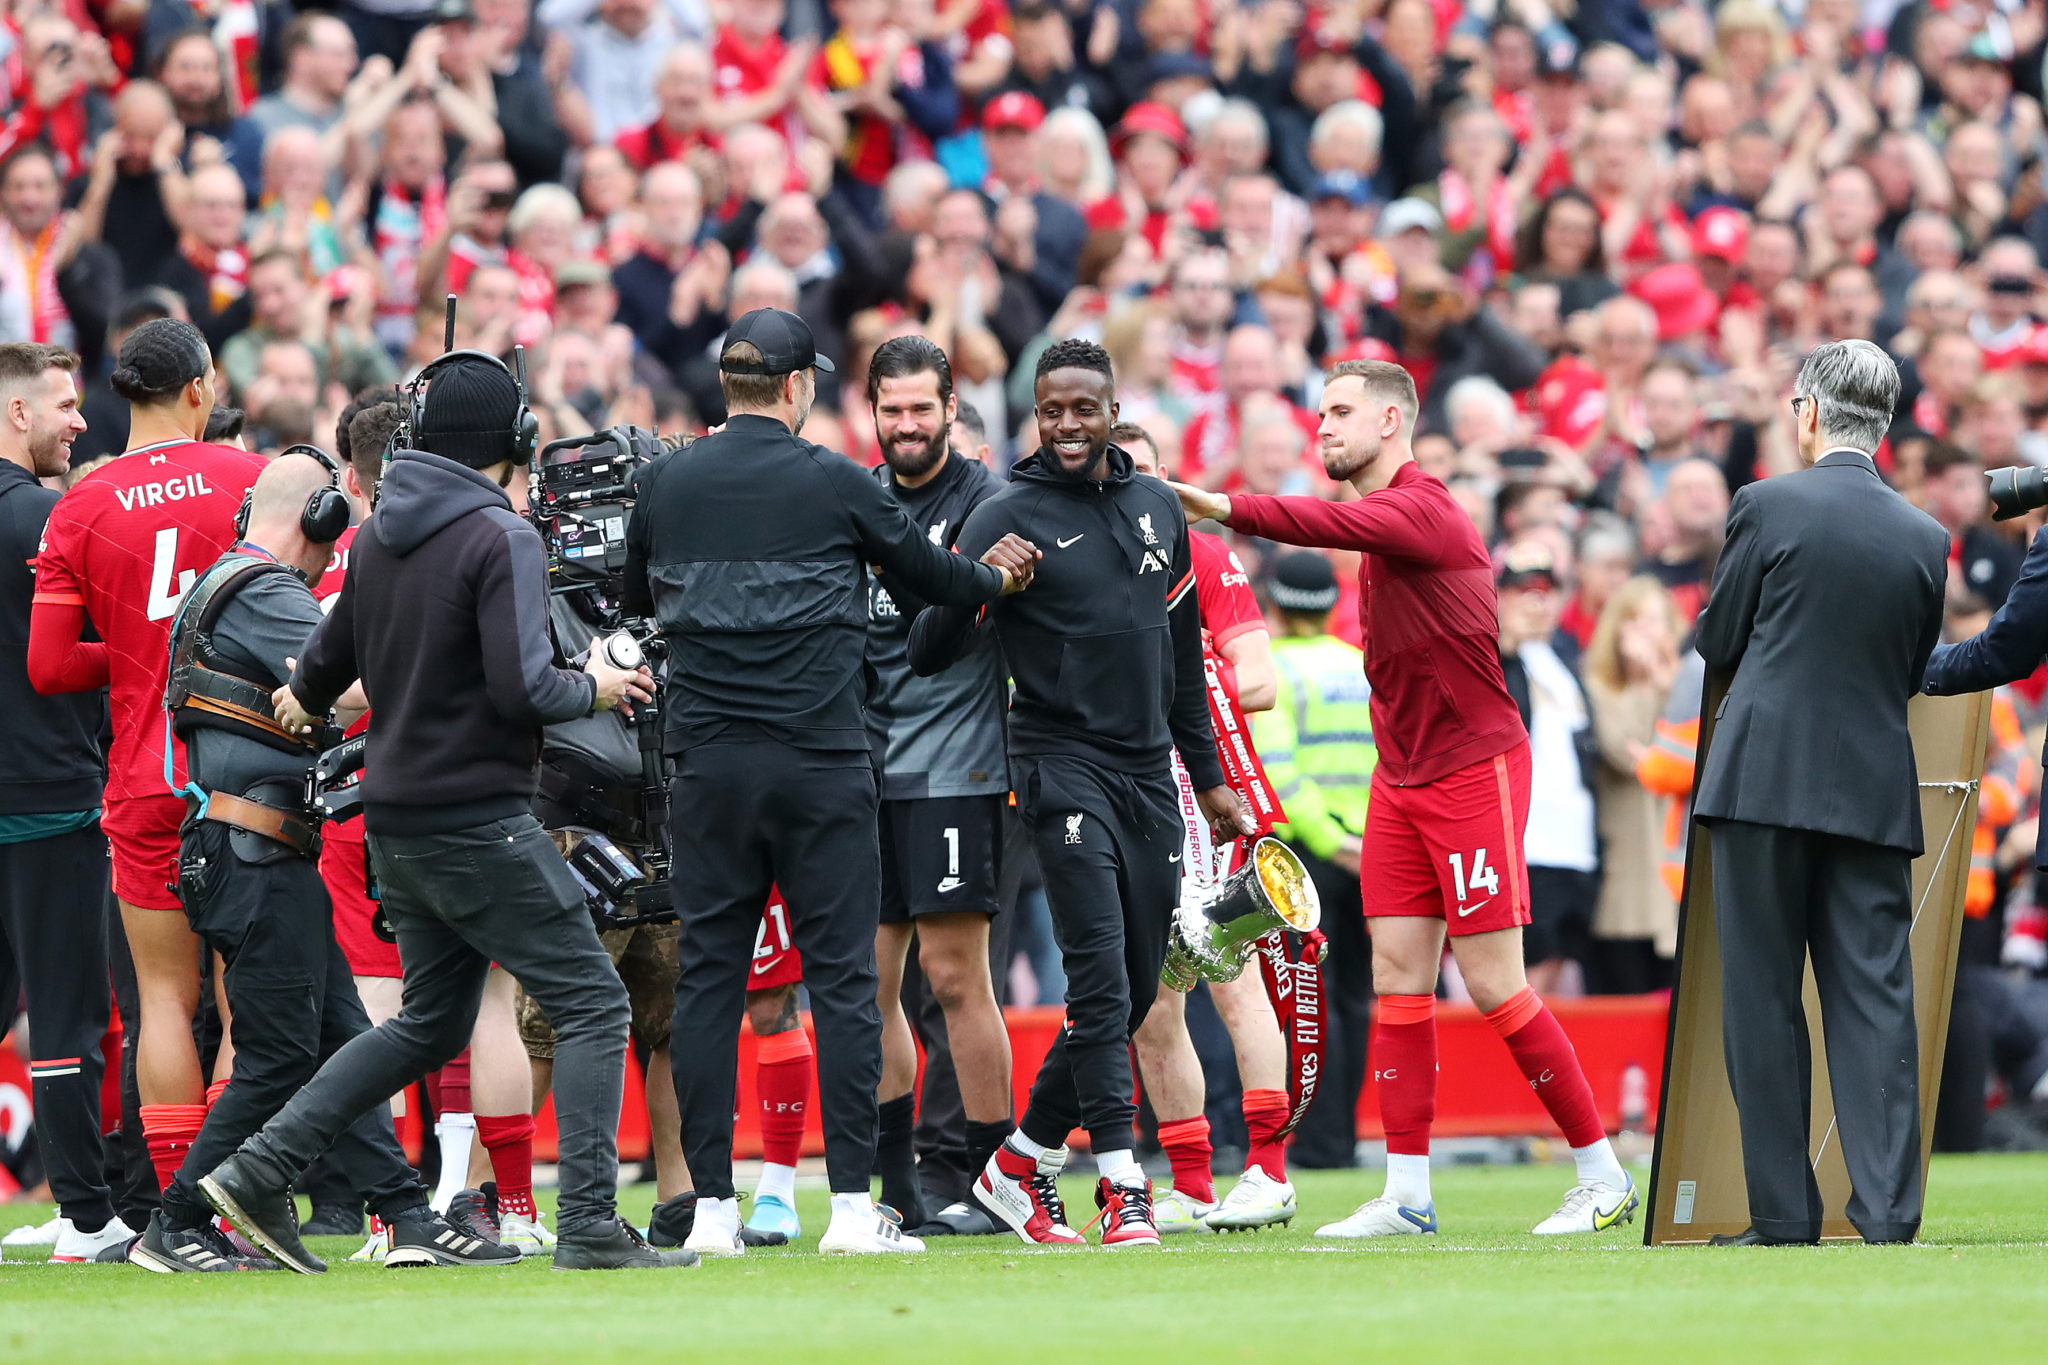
[(1107, 660)]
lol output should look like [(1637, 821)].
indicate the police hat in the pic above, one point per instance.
[(1303, 581), (784, 340)]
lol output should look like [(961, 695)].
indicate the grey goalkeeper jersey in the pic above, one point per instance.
[(942, 735)]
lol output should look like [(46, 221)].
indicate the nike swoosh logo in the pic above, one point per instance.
[(950, 884), (1465, 910), (1174, 859), (1063, 544)]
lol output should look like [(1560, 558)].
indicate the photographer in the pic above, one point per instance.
[(751, 549), (443, 617), (248, 880)]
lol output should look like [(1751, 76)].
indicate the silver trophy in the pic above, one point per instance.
[(1212, 939)]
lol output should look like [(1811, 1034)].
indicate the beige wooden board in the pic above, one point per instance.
[(1696, 1186)]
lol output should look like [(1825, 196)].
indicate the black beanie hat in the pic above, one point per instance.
[(468, 413)]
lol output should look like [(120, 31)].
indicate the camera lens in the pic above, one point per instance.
[(624, 651), (2017, 491)]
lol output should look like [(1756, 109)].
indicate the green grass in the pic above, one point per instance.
[(1976, 1287)]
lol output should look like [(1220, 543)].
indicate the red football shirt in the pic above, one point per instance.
[(1223, 591), (1428, 615), (125, 544)]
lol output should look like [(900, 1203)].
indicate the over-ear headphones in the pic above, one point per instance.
[(326, 513), (525, 426)]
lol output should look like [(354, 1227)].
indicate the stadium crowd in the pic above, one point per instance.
[(1599, 235)]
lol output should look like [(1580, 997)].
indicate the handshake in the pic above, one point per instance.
[(1017, 558)]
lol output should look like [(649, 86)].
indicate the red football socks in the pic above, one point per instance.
[(1404, 1069), (508, 1138), (1545, 1055), (449, 1087), (1187, 1146), (782, 1076), (168, 1130), (1265, 1114)]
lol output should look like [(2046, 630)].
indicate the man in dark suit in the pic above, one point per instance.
[(1825, 607)]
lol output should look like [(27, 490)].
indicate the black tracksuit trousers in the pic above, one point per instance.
[(53, 923), (748, 814), (295, 1005), (1108, 845)]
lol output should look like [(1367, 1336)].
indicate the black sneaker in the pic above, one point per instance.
[(174, 1251), (265, 1214), (959, 1220), (615, 1246), (334, 1220), (474, 1212), (424, 1237), (672, 1222)]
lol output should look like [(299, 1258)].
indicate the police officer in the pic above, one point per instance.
[(444, 617), (1318, 748), (247, 874), (751, 549), (53, 857)]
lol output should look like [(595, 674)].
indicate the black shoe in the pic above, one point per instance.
[(617, 1246), (959, 1220), (1750, 1237), (759, 1237), (334, 1220), (423, 1237), (672, 1222), (265, 1214), (173, 1251), (475, 1213)]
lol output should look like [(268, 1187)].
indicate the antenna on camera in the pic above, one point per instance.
[(448, 334), (519, 372)]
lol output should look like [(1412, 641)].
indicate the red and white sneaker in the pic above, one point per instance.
[(1126, 1214), (1019, 1193)]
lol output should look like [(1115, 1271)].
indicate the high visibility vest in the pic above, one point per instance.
[(2009, 778), (1666, 768), (1317, 742)]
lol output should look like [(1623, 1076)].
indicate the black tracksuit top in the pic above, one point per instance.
[(53, 763), (1105, 646)]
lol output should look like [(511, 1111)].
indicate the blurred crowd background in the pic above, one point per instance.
[(1600, 233)]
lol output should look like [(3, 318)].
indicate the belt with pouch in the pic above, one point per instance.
[(291, 828)]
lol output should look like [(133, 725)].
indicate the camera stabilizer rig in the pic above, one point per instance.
[(579, 498)]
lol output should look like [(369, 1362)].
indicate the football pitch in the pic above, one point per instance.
[(1975, 1288)]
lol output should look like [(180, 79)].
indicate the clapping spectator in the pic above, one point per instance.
[(618, 49), (136, 193)]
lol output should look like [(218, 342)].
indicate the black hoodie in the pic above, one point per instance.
[(445, 619), (1105, 646)]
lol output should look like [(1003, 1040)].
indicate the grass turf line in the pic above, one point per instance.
[(1482, 1290)]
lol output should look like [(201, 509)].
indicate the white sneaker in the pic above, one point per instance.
[(530, 1235), (380, 1242), (1175, 1211), (37, 1234), (865, 1235), (74, 1247), (1590, 1209), (1257, 1200), (717, 1234), (1382, 1217)]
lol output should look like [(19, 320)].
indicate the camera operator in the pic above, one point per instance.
[(444, 618), (247, 877), (750, 549)]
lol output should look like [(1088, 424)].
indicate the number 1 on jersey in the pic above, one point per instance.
[(163, 602), (1482, 878)]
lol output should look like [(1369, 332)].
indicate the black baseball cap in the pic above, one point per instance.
[(784, 340)]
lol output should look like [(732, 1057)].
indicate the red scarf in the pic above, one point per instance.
[(1461, 207), (227, 272), (401, 229)]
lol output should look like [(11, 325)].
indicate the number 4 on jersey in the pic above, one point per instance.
[(1482, 877), (163, 570)]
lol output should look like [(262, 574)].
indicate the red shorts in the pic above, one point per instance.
[(143, 834), (1451, 849), (344, 867), (776, 961)]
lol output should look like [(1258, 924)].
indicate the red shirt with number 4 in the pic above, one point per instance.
[(122, 547)]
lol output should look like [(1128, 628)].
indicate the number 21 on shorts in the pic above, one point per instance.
[(1480, 878)]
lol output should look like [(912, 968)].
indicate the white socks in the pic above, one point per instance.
[(456, 1134), (1019, 1143), (1599, 1168), (777, 1182), (1120, 1167), (860, 1207), (1408, 1179), (717, 1219)]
